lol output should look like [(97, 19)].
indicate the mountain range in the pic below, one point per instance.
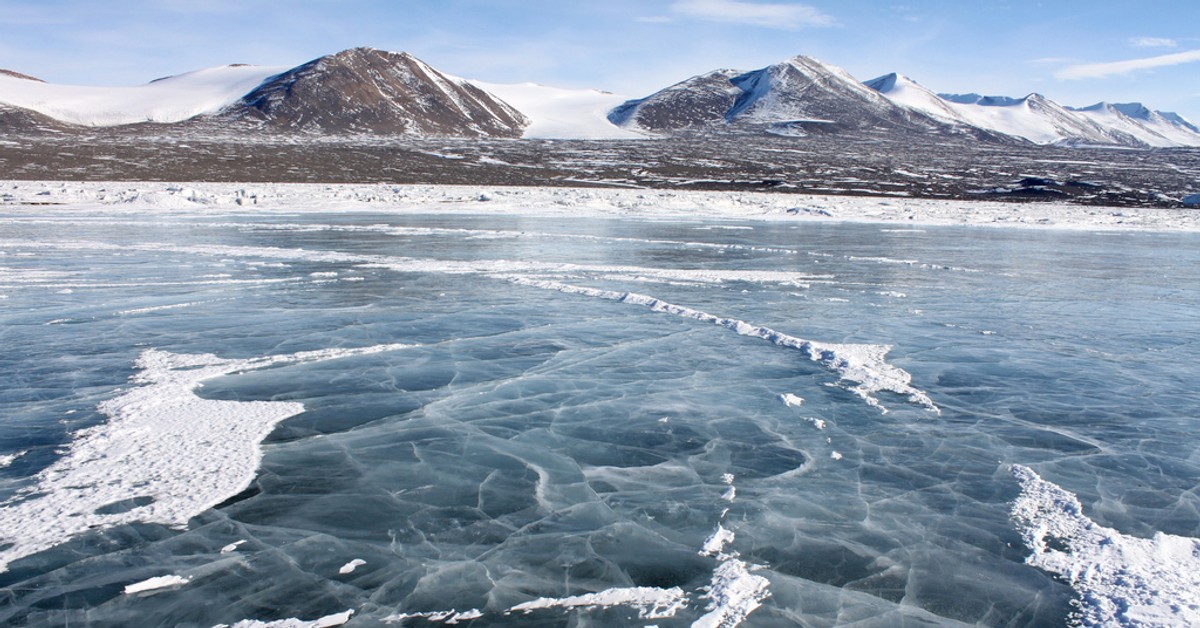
[(369, 92)]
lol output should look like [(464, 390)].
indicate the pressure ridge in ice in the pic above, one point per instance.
[(1121, 580), (861, 363), (864, 364), (164, 456)]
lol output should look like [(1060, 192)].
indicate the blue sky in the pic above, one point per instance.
[(1075, 52)]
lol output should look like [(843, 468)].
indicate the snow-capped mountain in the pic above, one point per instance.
[(796, 96), (1041, 120), (369, 91), (904, 91), (166, 100), (803, 89), (1154, 128)]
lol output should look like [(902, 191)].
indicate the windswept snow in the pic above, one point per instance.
[(171, 99), (558, 113)]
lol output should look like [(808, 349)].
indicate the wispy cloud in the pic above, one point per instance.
[(1051, 60), (1153, 42), (770, 15), (1101, 70)]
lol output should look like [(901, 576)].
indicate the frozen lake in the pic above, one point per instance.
[(593, 421)]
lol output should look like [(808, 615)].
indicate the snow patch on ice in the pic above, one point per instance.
[(349, 567), (154, 584), (650, 602), (734, 593), (1121, 580), (791, 401), (445, 617), (716, 542), (328, 621), (179, 453)]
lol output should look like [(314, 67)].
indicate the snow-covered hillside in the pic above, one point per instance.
[(557, 113), (171, 99), (1041, 120), (1152, 127)]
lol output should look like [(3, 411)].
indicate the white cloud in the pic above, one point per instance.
[(770, 15), (1153, 42), (1101, 70)]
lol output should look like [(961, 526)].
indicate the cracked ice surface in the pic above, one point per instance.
[(578, 410)]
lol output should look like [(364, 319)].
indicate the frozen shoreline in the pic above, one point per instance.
[(108, 198)]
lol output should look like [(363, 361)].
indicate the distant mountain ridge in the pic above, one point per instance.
[(804, 95), (365, 91)]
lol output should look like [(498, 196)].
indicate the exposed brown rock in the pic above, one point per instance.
[(368, 91), (20, 76)]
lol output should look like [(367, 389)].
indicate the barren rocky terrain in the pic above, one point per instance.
[(825, 164)]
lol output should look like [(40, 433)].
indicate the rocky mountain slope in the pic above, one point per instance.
[(368, 91), (795, 97)]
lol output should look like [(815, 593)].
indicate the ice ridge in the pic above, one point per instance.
[(861, 363)]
